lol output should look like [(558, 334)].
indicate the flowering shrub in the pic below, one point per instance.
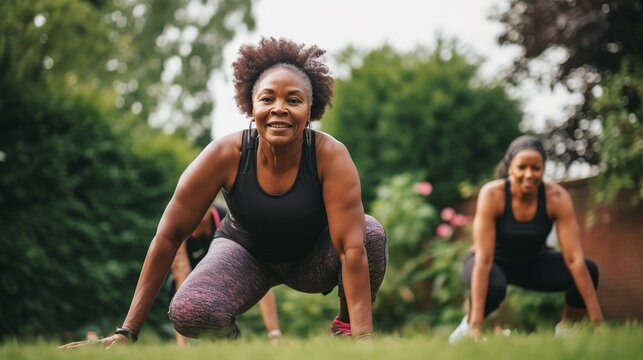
[(406, 215), (423, 286)]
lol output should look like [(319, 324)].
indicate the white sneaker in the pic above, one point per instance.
[(563, 329), (557, 330), (460, 332)]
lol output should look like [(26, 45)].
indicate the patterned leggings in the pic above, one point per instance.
[(229, 281)]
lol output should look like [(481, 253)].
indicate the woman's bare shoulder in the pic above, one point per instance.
[(492, 189), (327, 148), (491, 198), (557, 195), (220, 159), (333, 157), (326, 142), (227, 146), (221, 155)]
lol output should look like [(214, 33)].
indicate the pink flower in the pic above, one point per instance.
[(423, 188), (459, 220), (447, 214), (444, 230)]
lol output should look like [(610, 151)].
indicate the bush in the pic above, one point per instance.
[(422, 287), (77, 208)]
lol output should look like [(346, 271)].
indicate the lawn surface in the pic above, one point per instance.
[(623, 342)]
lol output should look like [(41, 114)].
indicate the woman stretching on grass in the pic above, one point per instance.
[(295, 208), (514, 215)]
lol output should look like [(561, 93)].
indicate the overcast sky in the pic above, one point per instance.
[(368, 24)]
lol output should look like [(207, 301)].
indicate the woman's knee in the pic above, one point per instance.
[(374, 231), (593, 271), (375, 242), (193, 318), (376, 251), (375, 238)]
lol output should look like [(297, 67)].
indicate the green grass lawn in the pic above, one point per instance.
[(622, 342)]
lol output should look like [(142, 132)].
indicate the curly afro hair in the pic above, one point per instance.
[(253, 60)]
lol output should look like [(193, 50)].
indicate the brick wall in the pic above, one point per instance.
[(614, 242)]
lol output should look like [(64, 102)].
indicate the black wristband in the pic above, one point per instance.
[(128, 333)]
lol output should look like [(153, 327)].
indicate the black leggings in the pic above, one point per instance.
[(546, 273)]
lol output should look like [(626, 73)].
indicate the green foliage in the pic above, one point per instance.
[(602, 45), (596, 34), (78, 208), (157, 56), (421, 111), (422, 286), (167, 53), (405, 215), (52, 38), (83, 181), (528, 310), (300, 314), (621, 141)]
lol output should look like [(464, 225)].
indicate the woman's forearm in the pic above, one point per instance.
[(157, 262), (479, 289), (357, 289), (585, 287)]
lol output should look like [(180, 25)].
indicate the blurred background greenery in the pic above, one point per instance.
[(84, 177)]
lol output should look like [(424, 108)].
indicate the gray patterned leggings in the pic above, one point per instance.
[(229, 281)]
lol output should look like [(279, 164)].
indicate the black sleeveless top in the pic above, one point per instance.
[(274, 228), (522, 241)]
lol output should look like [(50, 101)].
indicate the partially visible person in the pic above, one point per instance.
[(514, 216), (295, 208), (194, 249)]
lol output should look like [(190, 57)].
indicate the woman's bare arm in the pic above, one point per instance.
[(343, 199), (570, 242), (213, 169), (484, 238)]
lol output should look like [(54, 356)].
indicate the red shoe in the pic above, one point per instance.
[(340, 328)]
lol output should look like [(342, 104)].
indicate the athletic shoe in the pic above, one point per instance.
[(460, 332), (563, 329), (340, 328)]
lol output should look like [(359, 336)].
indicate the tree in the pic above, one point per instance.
[(168, 52), (421, 111), (83, 183), (620, 111), (157, 56), (62, 39), (602, 42), (79, 204)]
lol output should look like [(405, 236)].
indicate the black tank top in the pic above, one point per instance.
[(522, 241), (275, 228)]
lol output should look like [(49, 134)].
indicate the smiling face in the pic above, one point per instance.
[(527, 169), (281, 104)]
